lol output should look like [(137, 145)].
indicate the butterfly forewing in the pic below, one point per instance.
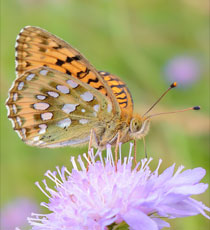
[(51, 109), (36, 47)]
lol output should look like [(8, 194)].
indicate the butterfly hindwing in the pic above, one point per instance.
[(122, 94), (51, 109)]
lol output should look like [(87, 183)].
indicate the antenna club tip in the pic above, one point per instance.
[(173, 85), (196, 108)]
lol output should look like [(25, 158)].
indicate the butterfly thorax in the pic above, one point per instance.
[(108, 134), (134, 129)]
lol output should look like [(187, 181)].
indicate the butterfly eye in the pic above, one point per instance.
[(135, 125)]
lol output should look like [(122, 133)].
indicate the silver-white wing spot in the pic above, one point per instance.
[(16, 43), (83, 121), (72, 83), (36, 138), (18, 121), (63, 89), (14, 108), (83, 110), (53, 94), (46, 116), (40, 97), (20, 85), (109, 108), (68, 108), (43, 72), (43, 128), (23, 132), (64, 123), (41, 106), (96, 108), (38, 143), (87, 96), (30, 77), (15, 96)]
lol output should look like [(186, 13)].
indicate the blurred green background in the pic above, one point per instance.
[(148, 44)]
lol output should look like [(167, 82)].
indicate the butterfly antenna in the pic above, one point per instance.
[(173, 85), (177, 111)]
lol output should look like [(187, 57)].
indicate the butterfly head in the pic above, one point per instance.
[(139, 127)]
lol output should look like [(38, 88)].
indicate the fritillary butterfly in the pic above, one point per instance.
[(59, 98)]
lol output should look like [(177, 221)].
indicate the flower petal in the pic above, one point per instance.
[(190, 189), (186, 176), (137, 220), (180, 209)]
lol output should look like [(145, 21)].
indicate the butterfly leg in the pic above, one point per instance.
[(134, 142), (145, 149), (116, 150), (89, 146), (92, 137), (90, 141)]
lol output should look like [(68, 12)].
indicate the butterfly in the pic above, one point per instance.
[(60, 99)]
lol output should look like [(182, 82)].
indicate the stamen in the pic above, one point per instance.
[(74, 163), (51, 191), (43, 204), (109, 156), (82, 165), (157, 169), (101, 159), (38, 185), (130, 152), (59, 173), (86, 158), (53, 177), (178, 171)]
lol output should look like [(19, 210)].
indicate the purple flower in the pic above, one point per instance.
[(183, 69), (102, 196)]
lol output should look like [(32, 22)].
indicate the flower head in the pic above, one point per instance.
[(184, 69), (11, 216), (102, 196)]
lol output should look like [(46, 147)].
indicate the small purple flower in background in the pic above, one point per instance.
[(15, 213), (186, 70), (103, 198)]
